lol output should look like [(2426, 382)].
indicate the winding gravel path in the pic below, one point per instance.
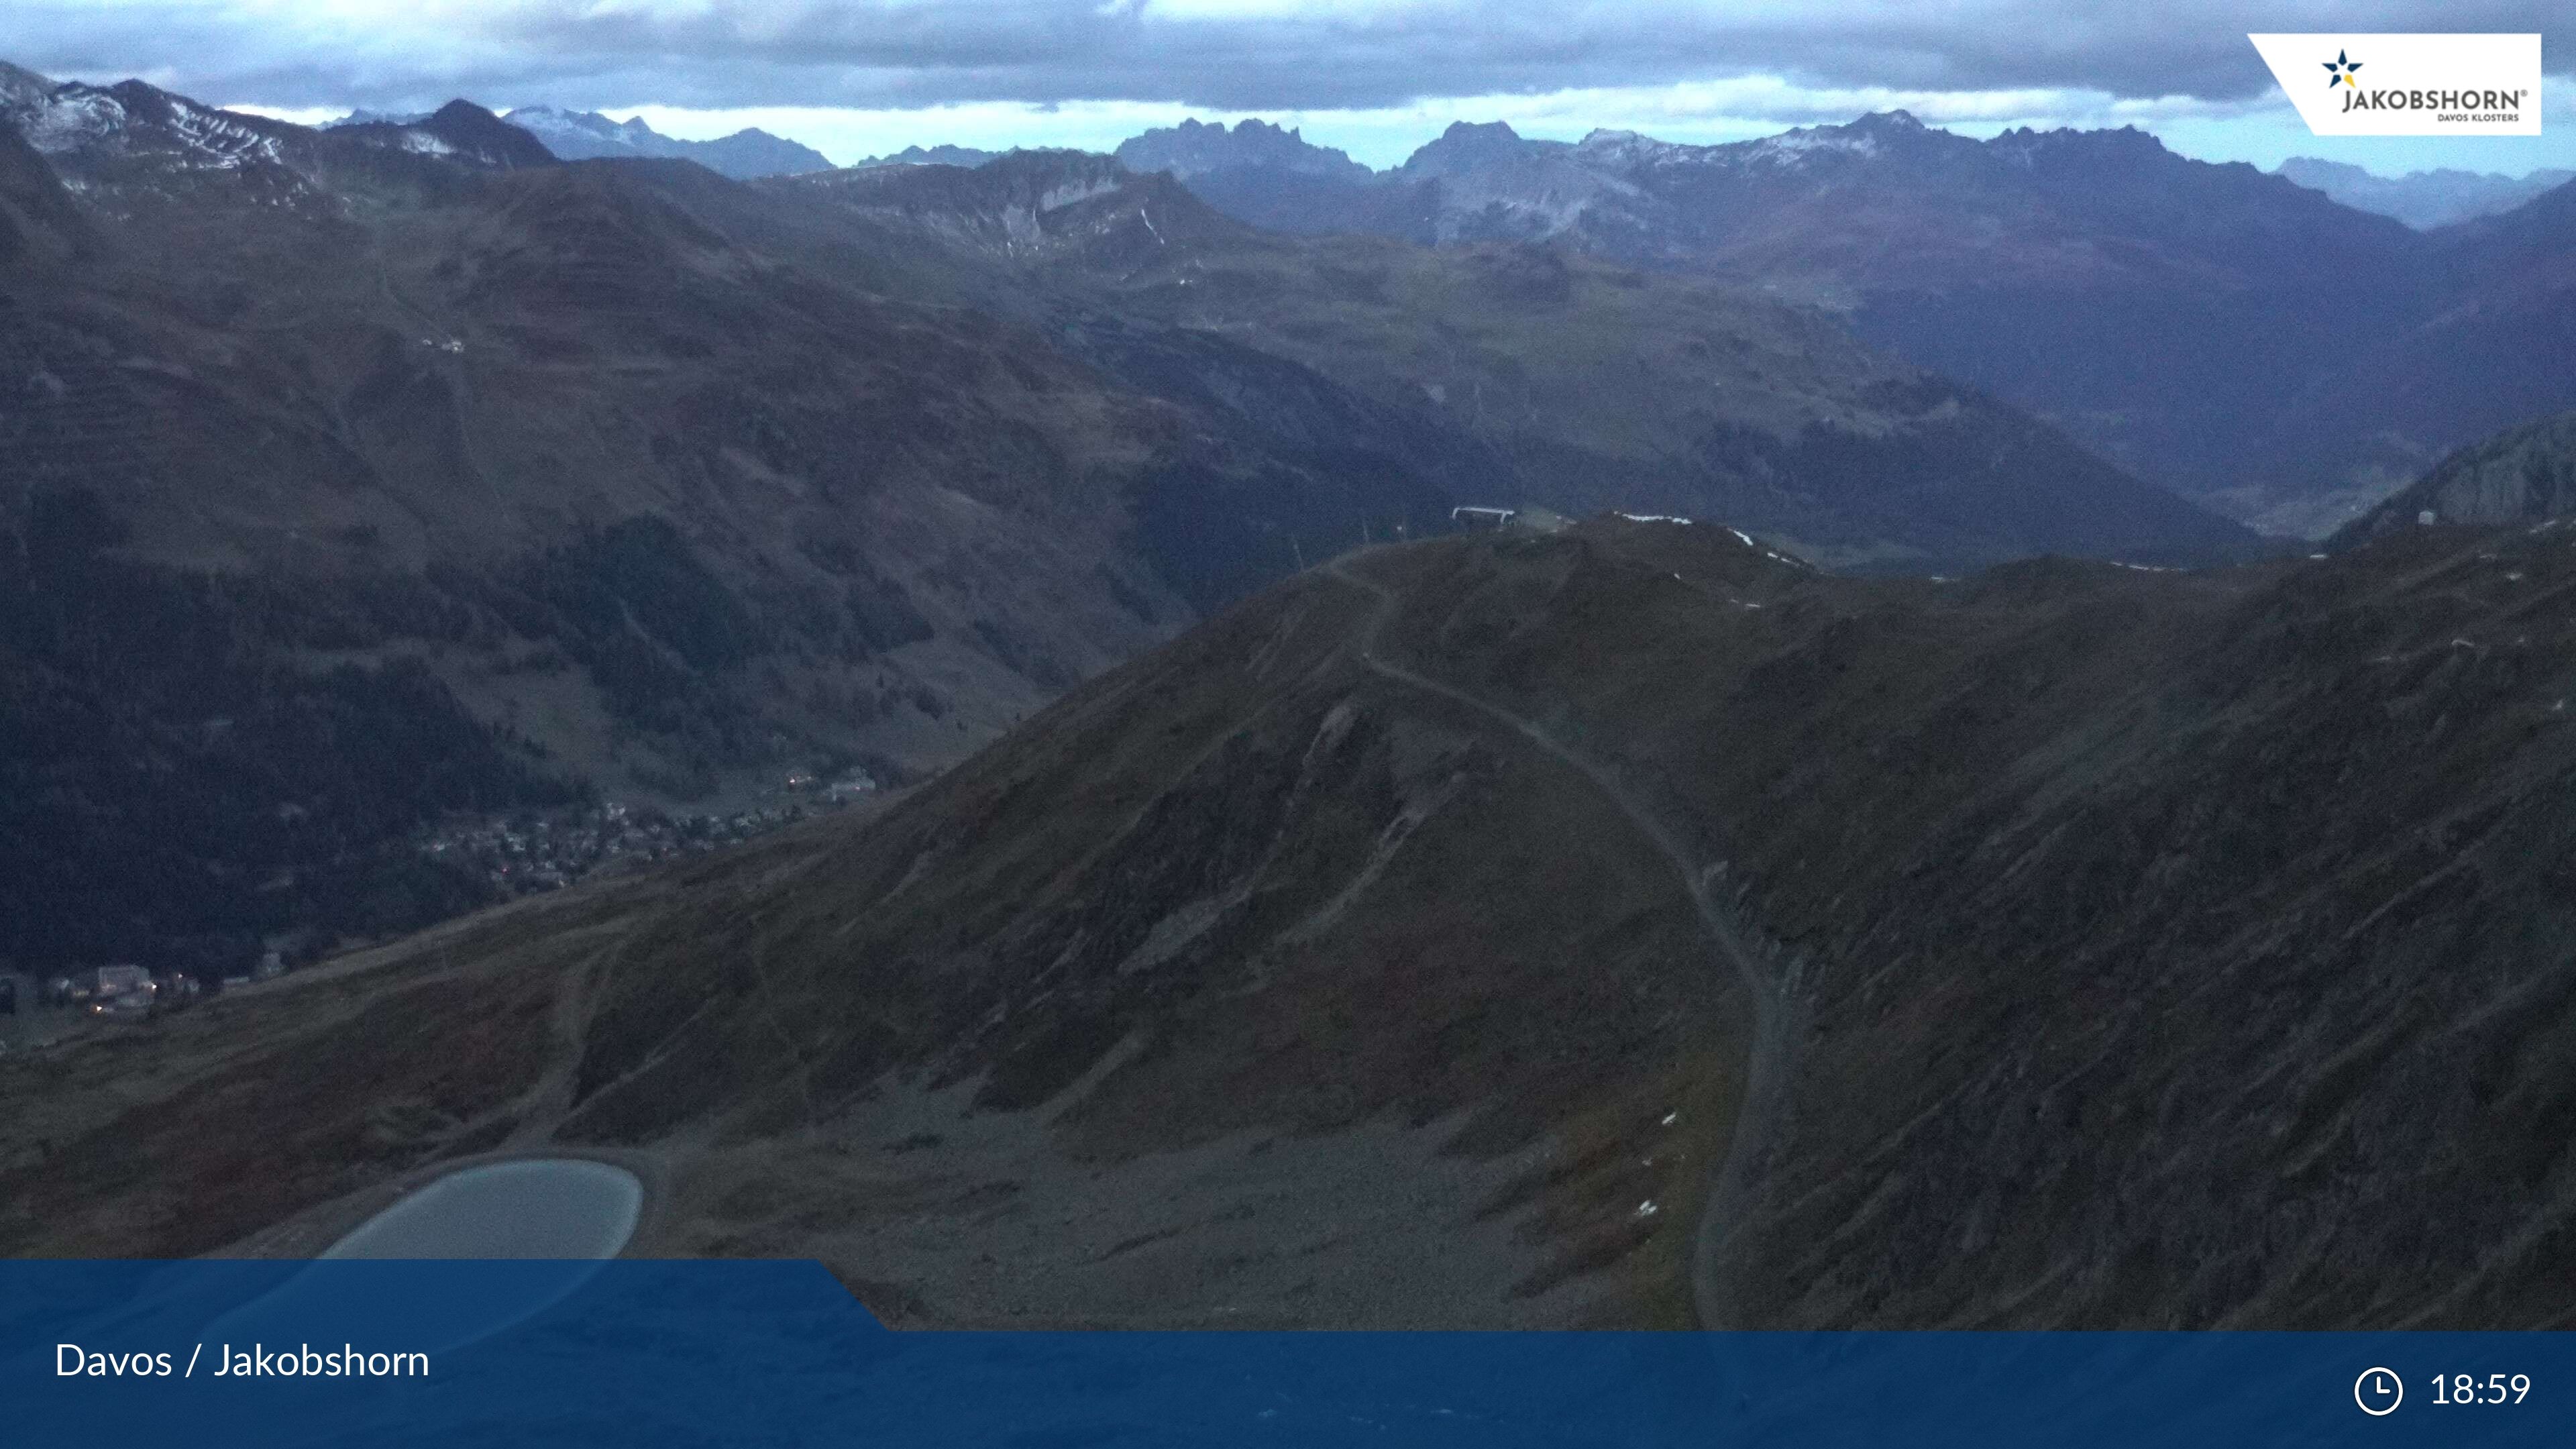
[(1767, 1067)]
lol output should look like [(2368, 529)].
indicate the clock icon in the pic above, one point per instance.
[(2378, 1391)]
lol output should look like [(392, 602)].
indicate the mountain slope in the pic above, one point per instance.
[(1580, 386), (39, 222), (2524, 475), (641, 484), (460, 129), (20, 86), (638, 513), (136, 154), (2104, 913), (2499, 353)]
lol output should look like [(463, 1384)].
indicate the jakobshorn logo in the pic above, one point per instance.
[(2419, 85)]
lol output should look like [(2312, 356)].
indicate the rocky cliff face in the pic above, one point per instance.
[(2523, 475), (1194, 149), (40, 226)]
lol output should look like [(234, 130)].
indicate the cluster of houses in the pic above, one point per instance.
[(548, 850), (521, 854), (117, 993), (122, 992)]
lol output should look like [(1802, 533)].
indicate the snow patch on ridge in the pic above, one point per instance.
[(70, 120)]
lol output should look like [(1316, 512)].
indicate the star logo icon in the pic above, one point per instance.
[(2339, 72)]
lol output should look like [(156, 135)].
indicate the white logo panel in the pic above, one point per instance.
[(2409, 85)]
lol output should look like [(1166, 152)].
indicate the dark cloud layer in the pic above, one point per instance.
[(723, 53)]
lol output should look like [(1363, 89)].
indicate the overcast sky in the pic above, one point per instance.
[(1376, 77)]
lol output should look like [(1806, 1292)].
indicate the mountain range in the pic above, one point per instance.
[(2422, 199), (579, 135), (1836, 852), (642, 484), (2193, 322), (588, 135), (2000, 263), (1551, 379), (1193, 149), (929, 156)]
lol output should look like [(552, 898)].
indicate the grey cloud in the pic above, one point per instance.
[(740, 52)]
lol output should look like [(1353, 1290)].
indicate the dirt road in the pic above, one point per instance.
[(1774, 1028)]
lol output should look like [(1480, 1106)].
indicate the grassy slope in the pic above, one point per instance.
[(2167, 943)]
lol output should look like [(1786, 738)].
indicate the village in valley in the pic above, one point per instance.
[(543, 850), (518, 854)]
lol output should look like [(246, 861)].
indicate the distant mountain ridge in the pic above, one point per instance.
[(2004, 262), (1193, 148), (2189, 320), (133, 145), (1566, 382), (2422, 199), (967, 156), (744, 155), (364, 117), (463, 129)]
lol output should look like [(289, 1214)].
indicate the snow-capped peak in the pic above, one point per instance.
[(1628, 148)]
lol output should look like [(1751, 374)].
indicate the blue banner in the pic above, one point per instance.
[(645, 1353)]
